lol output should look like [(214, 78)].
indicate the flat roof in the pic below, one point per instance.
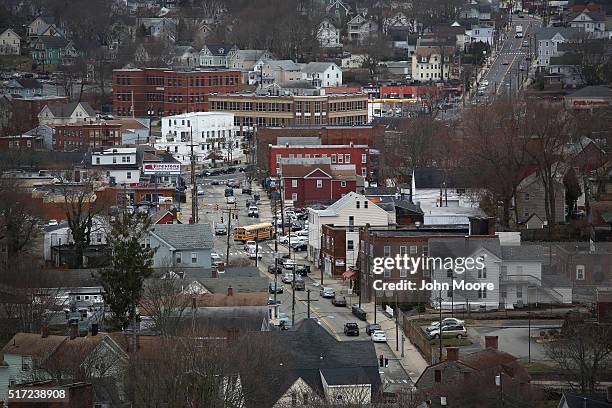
[(317, 146)]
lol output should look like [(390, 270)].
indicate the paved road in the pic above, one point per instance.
[(332, 318), (505, 74)]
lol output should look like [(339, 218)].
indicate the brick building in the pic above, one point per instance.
[(377, 243), (307, 184), (27, 109), (86, 136), (372, 136), (252, 110), (169, 92), (21, 142), (358, 155)]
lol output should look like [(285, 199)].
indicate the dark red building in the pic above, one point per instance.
[(307, 184), (372, 136), (359, 155), (86, 136), (167, 92), (26, 110), (21, 142)]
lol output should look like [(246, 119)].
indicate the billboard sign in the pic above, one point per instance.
[(173, 169)]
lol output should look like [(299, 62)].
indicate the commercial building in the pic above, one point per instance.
[(357, 155), (213, 135), (161, 91), (85, 136), (253, 110)]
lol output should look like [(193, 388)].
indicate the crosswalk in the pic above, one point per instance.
[(235, 253)]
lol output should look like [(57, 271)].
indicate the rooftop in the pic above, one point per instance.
[(185, 236)]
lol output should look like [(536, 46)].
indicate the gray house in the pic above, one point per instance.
[(181, 245), (530, 199)]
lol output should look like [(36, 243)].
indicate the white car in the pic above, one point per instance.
[(287, 278), (288, 263), (302, 233), (250, 246), (294, 239), (378, 336), (252, 254)]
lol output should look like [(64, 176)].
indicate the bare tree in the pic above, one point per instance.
[(164, 302), (583, 354), (375, 49), (18, 221)]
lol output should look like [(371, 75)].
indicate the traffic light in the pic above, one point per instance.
[(386, 362)]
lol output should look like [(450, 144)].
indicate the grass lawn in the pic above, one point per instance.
[(539, 368), (451, 342)]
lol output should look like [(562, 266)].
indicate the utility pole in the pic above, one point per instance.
[(396, 324), (194, 187), (229, 229), (293, 299), (275, 248), (440, 322), (308, 303)]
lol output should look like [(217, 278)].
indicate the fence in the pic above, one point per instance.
[(417, 337)]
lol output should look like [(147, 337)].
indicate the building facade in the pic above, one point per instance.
[(119, 164), (209, 132), (252, 110), (357, 155), (158, 92), (85, 136)]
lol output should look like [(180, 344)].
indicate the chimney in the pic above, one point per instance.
[(74, 331), (230, 291), (452, 353), (214, 273), (44, 331), (467, 242), (94, 329), (491, 342)]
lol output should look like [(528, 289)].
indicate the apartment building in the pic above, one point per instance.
[(84, 137)]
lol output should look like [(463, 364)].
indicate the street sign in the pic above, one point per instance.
[(162, 168)]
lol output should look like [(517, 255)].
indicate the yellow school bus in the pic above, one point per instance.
[(263, 231)]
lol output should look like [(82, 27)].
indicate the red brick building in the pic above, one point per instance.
[(372, 136), (21, 142), (307, 184), (86, 136), (359, 155), (27, 109), (168, 92)]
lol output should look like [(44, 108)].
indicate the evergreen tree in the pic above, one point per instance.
[(130, 266)]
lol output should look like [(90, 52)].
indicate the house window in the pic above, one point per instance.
[(364, 158), (526, 196), (364, 172), (365, 204), (294, 197), (293, 183), (482, 273), (178, 258), (351, 220), (114, 160), (579, 272), (482, 293), (357, 204), (438, 376), (343, 184), (128, 175), (333, 158), (319, 183), (25, 363), (97, 160), (340, 158), (347, 158), (519, 292), (413, 249), (99, 237), (449, 273), (402, 252), (194, 258), (349, 245)]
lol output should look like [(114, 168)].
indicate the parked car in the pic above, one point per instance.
[(445, 322), (299, 246), (298, 283), (339, 301), (215, 258), (351, 329), (247, 191), (378, 336), (288, 263), (287, 277), (275, 287), (214, 183), (275, 269), (371, 328), (455, 330), (327, 293), (230, 170), (302, 270), (220, 229)]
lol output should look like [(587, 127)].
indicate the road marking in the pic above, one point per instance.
[(506, 73)]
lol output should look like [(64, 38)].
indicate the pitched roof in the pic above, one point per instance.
[(547, 33), (219, 49), (462, 246), (336, 207), (236, 300), (523, 253), (28, 83), (302, 170), (65, 110), (593, 15), (309, 350), (185, 236), (585, 401), (33, 344), (596, 91), (53, 42), (287, 65), (313, 67)]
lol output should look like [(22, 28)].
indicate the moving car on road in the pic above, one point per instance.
[(378, 336), (351, 329), (273, 269), (327, 293), (298, 283), (288, 263), (302, 270), (287, 277), (253, 211), (339, 301), (220, 229), (275, 287), (250, 245)]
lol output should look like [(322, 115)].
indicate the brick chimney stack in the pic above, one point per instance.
[(452, 353), (491, 342), (230, 291), (44, 331), (214, 273), (74, 331)]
